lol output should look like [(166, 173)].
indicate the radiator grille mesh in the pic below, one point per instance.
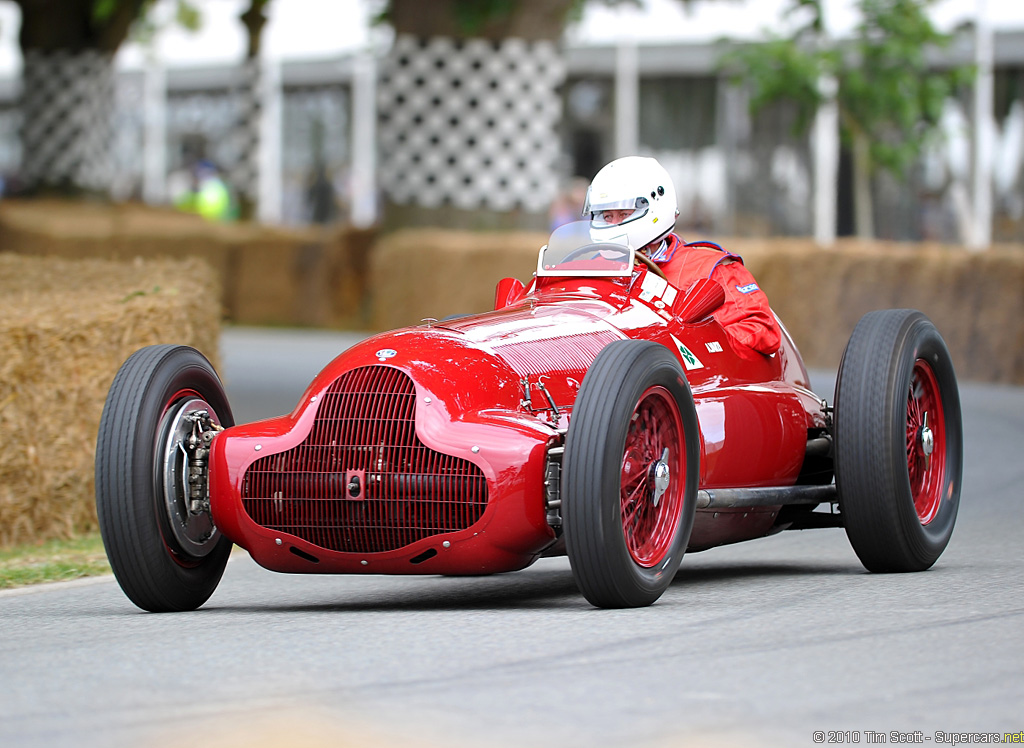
[(362, 482)]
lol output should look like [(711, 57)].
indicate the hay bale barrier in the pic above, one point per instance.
[(66, 326), (421, 273), (976, 300), (268, 275)]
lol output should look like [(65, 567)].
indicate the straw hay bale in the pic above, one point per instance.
[(66, 326), (433, 273), (313, 277), (268, 275), (975, 300)]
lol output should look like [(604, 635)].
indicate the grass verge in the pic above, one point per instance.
[(54, 561)]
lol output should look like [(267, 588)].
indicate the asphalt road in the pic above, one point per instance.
[(758, 644)]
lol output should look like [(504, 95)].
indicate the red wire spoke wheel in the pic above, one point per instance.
[(651, 501), (898, 441), (926, 440), (629, 480)]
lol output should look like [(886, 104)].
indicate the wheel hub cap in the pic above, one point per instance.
[(660, 477), (926, 442), (191, 526)]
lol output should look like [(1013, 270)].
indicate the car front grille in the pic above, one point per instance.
[(362, 481)]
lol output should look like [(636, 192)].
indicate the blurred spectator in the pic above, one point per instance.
[(568, 205), (321, 197), (202, 190)]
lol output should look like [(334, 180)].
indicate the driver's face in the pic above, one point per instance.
[(616, 217)]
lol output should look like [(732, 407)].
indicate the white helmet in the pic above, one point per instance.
[(639, 198)]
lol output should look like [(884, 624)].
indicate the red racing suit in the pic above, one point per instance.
[(746, 316)]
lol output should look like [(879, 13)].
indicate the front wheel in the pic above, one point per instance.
[(898, 441), (163, 408), (629, 484)]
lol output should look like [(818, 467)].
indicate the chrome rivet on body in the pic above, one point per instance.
[(475, 450), (258, 447), (277, 540), (447, 544), (364, 562), (313, 399), (427, 400)]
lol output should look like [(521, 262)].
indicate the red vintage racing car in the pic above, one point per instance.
[(599, 412)]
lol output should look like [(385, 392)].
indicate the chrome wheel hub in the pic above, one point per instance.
[(185, 494), (926, 442), (660, 477)]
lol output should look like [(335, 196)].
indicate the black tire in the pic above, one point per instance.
[(621, 561), (165, 557), (896, 391)]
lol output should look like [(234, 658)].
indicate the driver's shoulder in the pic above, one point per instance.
[(695, 260)]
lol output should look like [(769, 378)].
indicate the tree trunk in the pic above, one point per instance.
[(469, 109), (494, 20), (825, 150), (245, 172), (67, 92), (863, 210)]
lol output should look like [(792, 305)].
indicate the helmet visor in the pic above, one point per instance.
[(616, 213)]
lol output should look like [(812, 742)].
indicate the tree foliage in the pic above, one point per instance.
[(102, 25), (184, 14), (76, 25), (488, 19), (887, 93)]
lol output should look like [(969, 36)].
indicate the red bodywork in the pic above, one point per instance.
[(423, 451)]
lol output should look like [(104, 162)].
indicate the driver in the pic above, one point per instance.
[(633, 198)]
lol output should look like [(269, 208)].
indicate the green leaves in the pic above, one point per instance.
[(781, 70), (186, 14), (473, 15), (887, 90), (103, 10)]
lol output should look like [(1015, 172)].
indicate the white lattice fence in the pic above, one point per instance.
[(66, 103), (245, 137), (470, 124)]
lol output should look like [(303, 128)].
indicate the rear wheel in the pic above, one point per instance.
[(898, 441), (629, 483), (164, 549)]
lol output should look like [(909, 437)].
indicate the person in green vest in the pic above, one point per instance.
[(210, 196)]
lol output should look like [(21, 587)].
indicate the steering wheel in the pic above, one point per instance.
[(580, 251), (651, 264)]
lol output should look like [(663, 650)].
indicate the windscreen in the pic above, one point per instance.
[(571, 251)]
